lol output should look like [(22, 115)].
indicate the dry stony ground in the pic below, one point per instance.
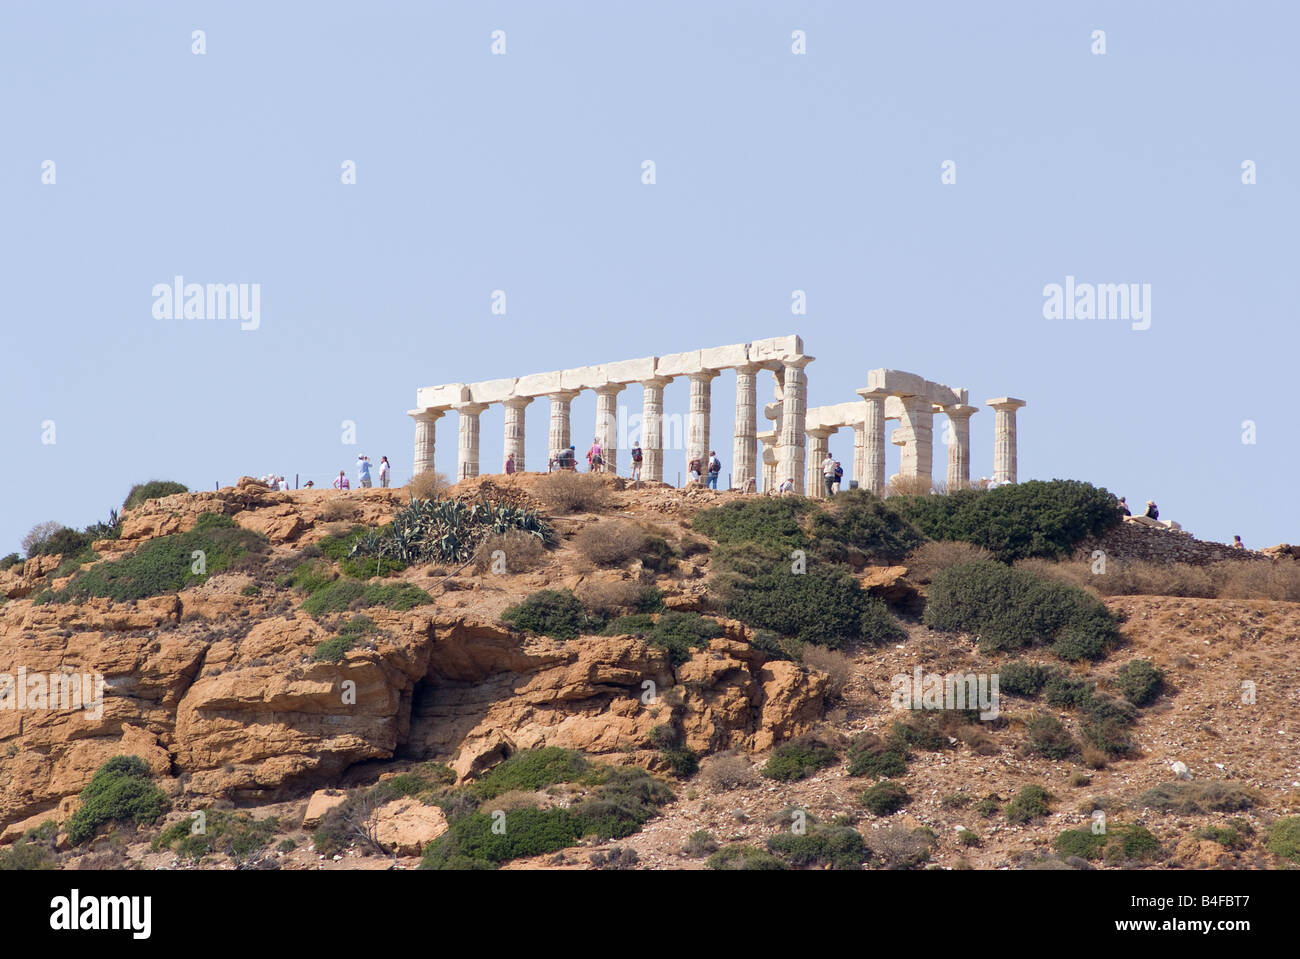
[(1208, 648)]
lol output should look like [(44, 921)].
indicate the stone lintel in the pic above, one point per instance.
[(492, 391), (725, 357), (538, 384), (679, 364), (427, 397), (836, 416)]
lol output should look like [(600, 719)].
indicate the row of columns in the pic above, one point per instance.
[(783, 449)]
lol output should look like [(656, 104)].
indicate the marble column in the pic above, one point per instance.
[(818, 445), (607, 424), (557, 438), (426, 431), (959, 445), (872, 477), (768, 459), (515, 431), (1004, 439), (745, 445), (859, 456), (467, 463), (697, 432), (652, 428), (794, 411), (918, 431)]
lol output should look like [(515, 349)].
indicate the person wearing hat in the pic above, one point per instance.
[(1152, 512), (1123, 506)]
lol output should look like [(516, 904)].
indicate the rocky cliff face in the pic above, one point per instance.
[(218, 692)]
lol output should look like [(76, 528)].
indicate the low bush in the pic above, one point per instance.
[(1028, 804), (63, 540), (1015, 521), (1284, 838), (678, 633), (837, 667), (728, 770), (349, 634), (1083, 843), (236, 835), (551, 612), (10, 561), (869, 755), (1022, 679), (1049, 738), (1131, 844), (1141, 681), (929, 559), (838, 847), (345, 594), (122, 790), (761, 521), (856, 526), (739, 856), (606, 599), (1235, 835), (533, 769), (700, 844), (429, 484), (167, 564), (1198, 797), (798, 759), (885, 798), (154, 489), (609, 543), (898, 847), (824, 606), (568, 492), (512, 552), (1011, 610)]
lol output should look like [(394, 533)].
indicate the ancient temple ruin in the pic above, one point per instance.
[(792, 448)]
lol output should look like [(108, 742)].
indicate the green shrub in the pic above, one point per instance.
[(1284, 838), (700, 844), (1141, 681), (342, 548), (237, 835), (1022, 679), (680, 633), (683, 762), (344, 594), (1049, 738), (10, 561), (1016, 521), (1128, 843), (857, 522), (1080, 842), (67, 541), (739, 856), (154, 489), (988, 806), (1012, 609), (350, 634), (885, 798), (532, 770), (121, 790), (764, 521), (825, 606), (839, 847), (796, 760), (869, 755), (1230, 837), (27, 854), (551, 612), (165, 564), (1030, 803), (1066, 692)]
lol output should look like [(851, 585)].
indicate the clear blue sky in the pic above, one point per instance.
[(522, 172)]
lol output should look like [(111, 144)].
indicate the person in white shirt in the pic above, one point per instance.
[(384, 470), (828, 474)]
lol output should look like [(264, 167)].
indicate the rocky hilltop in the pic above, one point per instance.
[(221, 688)]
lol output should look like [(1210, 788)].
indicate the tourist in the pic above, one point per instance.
[(363, 471), (1237, 543), (786, 487), (309, 484), (342, 481), (695, 468), (510, 464), (384, 472), (1123, 505), (715, 467), (282, 485), (1152, 512), (595, 461), (636, 462), (839, 476), (828, 473)]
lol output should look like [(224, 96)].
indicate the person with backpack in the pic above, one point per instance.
[(839, 476), (569, 459), (715, 467), (636, 462), (1152, 512), (595, 461), (695, 468), (828, 474)]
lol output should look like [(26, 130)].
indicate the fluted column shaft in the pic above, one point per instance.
[(467, 462), (557, 437), (697, 433), (652, 429), (745, 445), (918, 451), (514, 433), (959, 446), (607, 424), (1004, 439), (818, 447), (426, 434), (794, 411)]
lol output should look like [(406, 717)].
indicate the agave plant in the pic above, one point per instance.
[(449, 530)]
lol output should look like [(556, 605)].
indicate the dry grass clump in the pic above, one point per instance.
[(1227, 579), (834, 664), (1199, 797), (610, 598), (523, 552), (339, 510), (910, 486), (428, 485), (610, 543), (568, 492), (930, 559), (727, 770)]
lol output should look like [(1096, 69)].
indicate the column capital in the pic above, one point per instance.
[(470, 409), (428, 416), (563, 396), (1006, 403), (752, 367), (822, 432), (609, 389), (659, 381), (960, 411), (797, 362), (874, 394), (703, 375), (517, 402)]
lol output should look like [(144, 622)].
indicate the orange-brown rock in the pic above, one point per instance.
[(405, 826)]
